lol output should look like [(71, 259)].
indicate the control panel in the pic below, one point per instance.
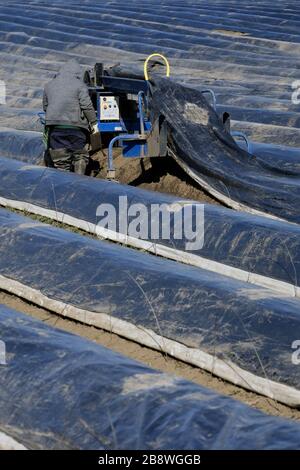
[(109, 108)]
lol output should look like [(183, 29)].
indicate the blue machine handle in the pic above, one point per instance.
[(111, 172), (142, 99)]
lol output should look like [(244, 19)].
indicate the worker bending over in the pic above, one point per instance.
[(70, 116)]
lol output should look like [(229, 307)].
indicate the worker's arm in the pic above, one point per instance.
[(86, 105), (45, 101)]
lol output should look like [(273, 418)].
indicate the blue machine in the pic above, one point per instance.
[(121, 104), (123, 116)]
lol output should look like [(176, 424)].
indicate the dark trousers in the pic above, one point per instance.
[(69, 149)]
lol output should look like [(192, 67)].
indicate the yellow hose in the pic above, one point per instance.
[(150, 57)]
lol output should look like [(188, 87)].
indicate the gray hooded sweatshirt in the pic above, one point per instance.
[(66, 99)]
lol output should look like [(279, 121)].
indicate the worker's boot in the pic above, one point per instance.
[(62, 159), (80, 160)]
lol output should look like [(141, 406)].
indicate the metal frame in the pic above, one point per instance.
[(111, 172)]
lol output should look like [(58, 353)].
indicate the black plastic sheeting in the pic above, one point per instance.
[(25, 146), (28, 146), (248, 54), (250, 327), (251, 243), (60, 391), (199, 140)]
